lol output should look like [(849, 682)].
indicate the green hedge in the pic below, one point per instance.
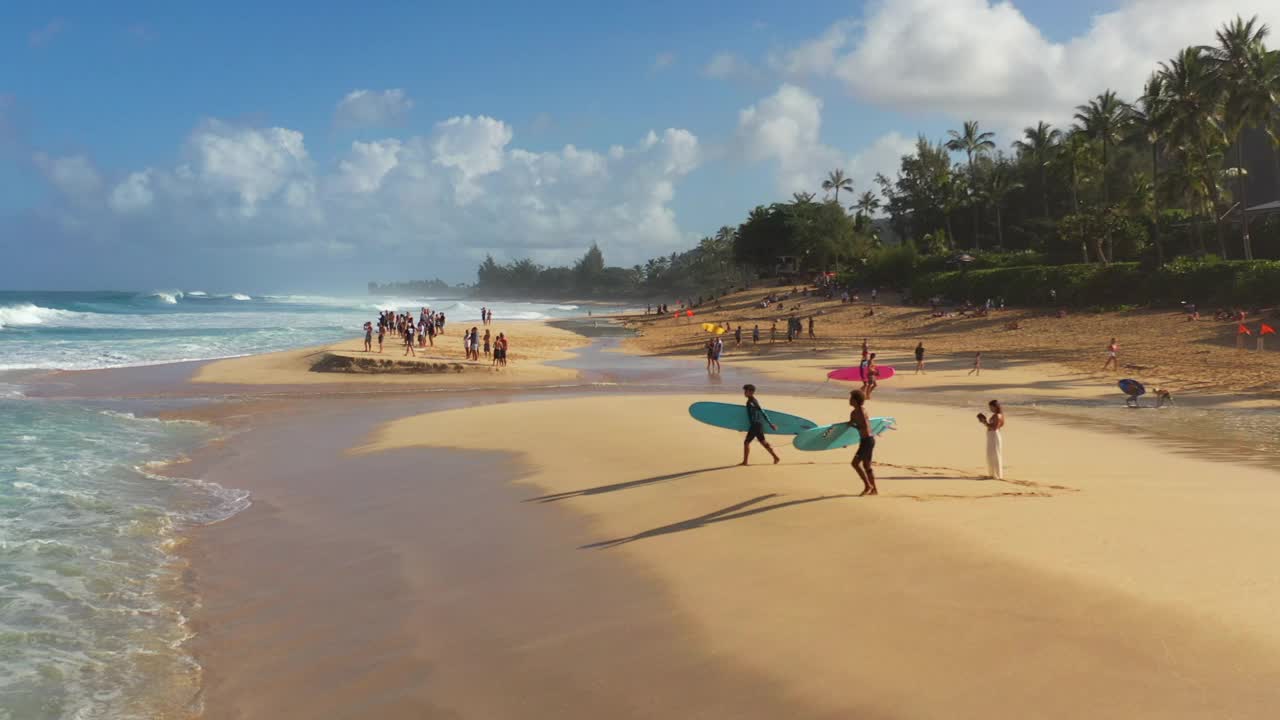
[(1207, 282)]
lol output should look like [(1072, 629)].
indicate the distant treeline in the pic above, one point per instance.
[(415, 287)]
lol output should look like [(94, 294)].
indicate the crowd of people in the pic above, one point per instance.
[(422, 333)]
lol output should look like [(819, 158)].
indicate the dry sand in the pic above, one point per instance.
[(1158, 347), (1107, 578), (533, 345)]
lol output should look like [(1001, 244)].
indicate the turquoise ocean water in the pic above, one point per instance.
[(92, 606)]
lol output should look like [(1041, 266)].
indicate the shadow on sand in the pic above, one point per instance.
[(602, 489)]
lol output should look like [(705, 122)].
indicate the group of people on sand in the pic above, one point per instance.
[(429, 325), (863, 457)]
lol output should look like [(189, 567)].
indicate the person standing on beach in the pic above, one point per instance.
[(995, 444), (487, 344), (717, 347), (865, 350), (408, 339), (919, 357), (866, 443), (737, 337), (870, 375), (811, 335), (756, 420), (710, 347), (977, 364), (773, 332), (755, 335), (368, 337), (1113, 351), (382, 333)]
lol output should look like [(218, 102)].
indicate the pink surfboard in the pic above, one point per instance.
[(884, 372)]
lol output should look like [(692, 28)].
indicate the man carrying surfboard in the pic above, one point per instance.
[(866, 445), (757, 418)]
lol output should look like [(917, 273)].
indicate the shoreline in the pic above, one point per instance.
[(259, 573)]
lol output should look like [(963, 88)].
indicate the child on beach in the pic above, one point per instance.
[(995, 444), (756, 420), (977, 364), (919, 358), (866, 444), (1113, 349)]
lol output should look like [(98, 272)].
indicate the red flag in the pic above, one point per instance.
[(690, 313), (1243, 330), (1266, 330)]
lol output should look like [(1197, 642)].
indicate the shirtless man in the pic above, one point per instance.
[(866, 446)]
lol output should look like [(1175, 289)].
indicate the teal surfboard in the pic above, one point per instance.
[(838, 435), (734, 417)]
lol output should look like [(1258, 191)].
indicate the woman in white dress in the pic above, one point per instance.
[(995, 444)]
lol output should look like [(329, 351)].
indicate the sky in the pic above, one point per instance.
[(315, 146)]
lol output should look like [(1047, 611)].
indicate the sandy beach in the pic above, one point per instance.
[(528, 544), (1158, 347)]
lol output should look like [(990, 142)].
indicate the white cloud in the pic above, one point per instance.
[(134, 194), (979, 59), (74, 176), (372, 108), (786, 129), (446, 197), (663, 60), (726, 65), (251, 164)]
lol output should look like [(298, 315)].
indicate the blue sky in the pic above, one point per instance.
[(137, 138)]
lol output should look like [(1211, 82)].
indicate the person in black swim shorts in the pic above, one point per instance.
[(866, 446), (756, 420)]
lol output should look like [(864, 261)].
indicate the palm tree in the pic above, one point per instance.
[(971, 141), (1149, 119), (1000, 182), (1104, 119), (1076, 156), (1039, 144), (802, 198), (1192, 96), (1247, 74), (867, 204), (837, 181)]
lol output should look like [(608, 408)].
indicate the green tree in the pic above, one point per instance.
[(972, 141), (1104, 120), (1149, 119), (1000, 183), (1192, 96), (1249, 77), (835, 182), (1038, 145), (865, 207)]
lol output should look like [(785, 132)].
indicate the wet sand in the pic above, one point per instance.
[(417, 584)]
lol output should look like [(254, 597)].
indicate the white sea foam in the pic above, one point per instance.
[(197, 293), (26, 314), (169, 297), (240, 296)]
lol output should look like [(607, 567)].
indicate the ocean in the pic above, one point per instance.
[(92, 606)]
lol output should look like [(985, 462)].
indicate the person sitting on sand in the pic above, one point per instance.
[(757, 418), (866, 443), (995, 444)]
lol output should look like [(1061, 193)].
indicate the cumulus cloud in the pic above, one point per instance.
[(983, 59), (785, 129), (372, 108), (448, 197)]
